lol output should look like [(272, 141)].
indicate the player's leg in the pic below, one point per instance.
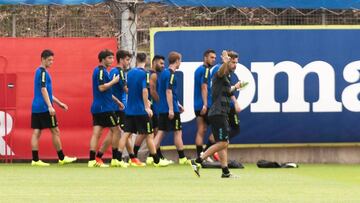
[(163, 127), (129, 146), (175, 125), (214, 148), (35, 137), (202, 123), (121, 146), (145, 127), (97, 131), (224, 163), (201, 130), (155, 121), (224, 157), (116, 160), (39, 121), (100, 121), (35, 143), (138, 141), (133, 161), (150, 144), (130, 128), (157, 141), (128, 143), (211, 141), (220, 129), (159, 137), (178, 141), (196, 164), (152, 149), (55, 135), (105, 145), (158, 149)]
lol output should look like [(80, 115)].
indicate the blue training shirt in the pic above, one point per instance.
[(42, 79), (201, 76), (102, 101), (167, 80), (136, 82), (118, 88)]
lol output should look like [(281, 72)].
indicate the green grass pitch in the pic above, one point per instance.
[(77, 183)]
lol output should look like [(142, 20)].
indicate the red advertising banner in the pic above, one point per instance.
[(75, 59)]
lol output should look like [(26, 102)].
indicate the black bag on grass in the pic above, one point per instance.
[(273, 164), (268, 164), (216, 164)]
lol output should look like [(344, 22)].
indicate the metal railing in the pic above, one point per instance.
[(104, 20)]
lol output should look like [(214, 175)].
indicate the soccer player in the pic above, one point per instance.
[(169, 107), (43, 113), (234, 105), (233, 117), (102, 108), (202, 97), (218, 115), (157, 65), (138, 111), (119, 90)]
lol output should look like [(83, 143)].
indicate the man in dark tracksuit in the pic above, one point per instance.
[(222, 91)]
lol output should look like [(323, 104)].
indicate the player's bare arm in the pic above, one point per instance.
[(108, 85)]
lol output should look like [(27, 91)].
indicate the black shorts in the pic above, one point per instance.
[(165, 124), (105, 119), (120, 118), (220, 127), (155, 121), (206, 118), (234, 120), (138, 124), (43, 120)]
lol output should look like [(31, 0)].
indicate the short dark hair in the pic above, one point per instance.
[(141, 57), (105, 53), (122, 54), (209, 51), (173, 57), (158, 57), (233, 54), (46, 53)]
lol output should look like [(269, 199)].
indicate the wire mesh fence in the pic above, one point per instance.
[(104, 20)]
